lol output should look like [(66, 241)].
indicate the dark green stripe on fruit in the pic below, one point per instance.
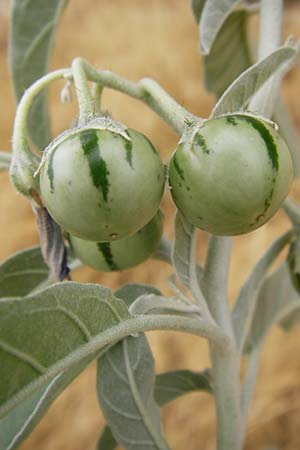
[(50, 170), (90, 143), (177, 167), (128, 148), (199, 139), (267, 138), (105, 249)]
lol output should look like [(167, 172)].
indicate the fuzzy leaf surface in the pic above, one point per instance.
[(22, 272), (276, 301), (168, 387), (19, 423), (183, 251), (33, 25), (213, 16), (229, 55), (151, 303), (239, 93), (245, 306), (125, 383), (131, 291), (39, 333)]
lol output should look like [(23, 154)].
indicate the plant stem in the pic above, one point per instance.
[(269, 40), (149, 92), (24, 162), (86, 104), (136, 324), (292, 210), (249, 382), (97, 92), (225, 368)]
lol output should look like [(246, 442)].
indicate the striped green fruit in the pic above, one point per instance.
[(124, 253), (230, 175), (102, 182)]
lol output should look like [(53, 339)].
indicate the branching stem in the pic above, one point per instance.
[(225, 368)]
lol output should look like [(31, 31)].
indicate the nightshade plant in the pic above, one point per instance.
[(96, 190)]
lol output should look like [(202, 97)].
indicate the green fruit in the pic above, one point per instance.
[(231, 175), (121, 254), (102, 181)]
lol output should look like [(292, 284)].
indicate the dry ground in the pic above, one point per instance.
[(156, 38)]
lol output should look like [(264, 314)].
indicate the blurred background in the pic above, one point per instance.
[(159, 39)]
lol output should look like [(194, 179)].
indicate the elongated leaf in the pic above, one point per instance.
[(44, 334), (171, 385), (277, 300), (168, 387), (125, 383), (17, 425), (197, 7), (246, 302), (151, 303), (5, 159), (131, 291), (183, 252), (214, 14), (22, 272), (38, 333), (239, 93), (33, 24), (291, 320), (229, 55)]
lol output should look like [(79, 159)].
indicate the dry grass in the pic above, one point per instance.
[(156, 38)]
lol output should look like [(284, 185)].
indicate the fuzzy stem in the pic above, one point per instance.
[(147, 91), (136, 324), (86, 104), (293, 211), (24, 162), (97, 93), (225, 368), (269, 40)]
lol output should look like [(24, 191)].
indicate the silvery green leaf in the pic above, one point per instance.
[(291, 320), (131, 291), (229, 55), (168, 387), (183, 251), (245, 306), (277, 299), (125, 383), (22, 272), (289, 133), (33, 24), (293, 261), (50, 331), (151, 304), (239, 93), (5, 159), (171, 385), (213, 16), (197, 7), (19, 423)]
